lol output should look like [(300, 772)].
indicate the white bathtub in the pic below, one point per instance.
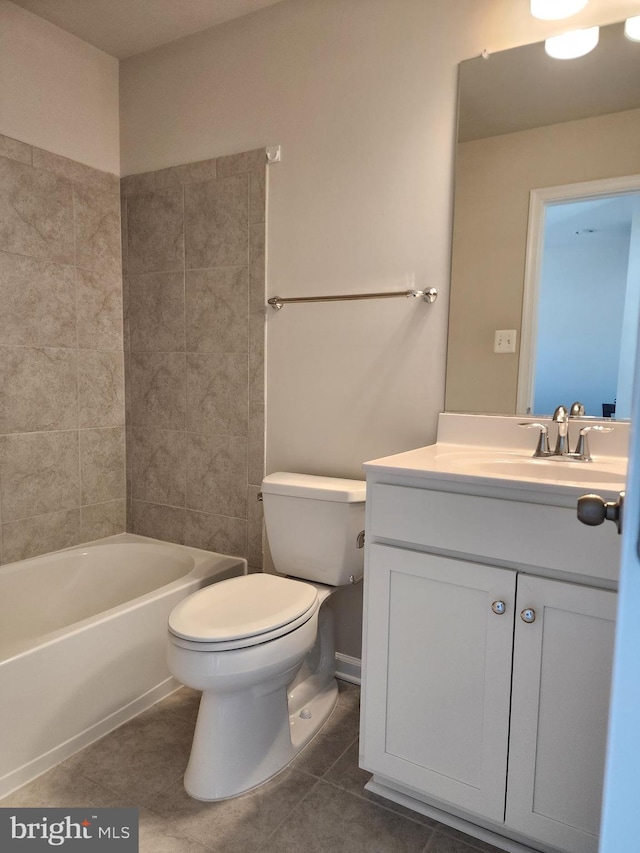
[(83, 642)]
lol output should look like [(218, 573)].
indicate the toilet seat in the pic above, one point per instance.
[(242, 612)]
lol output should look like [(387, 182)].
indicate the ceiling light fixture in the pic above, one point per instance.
[(632, 28), (554, 10), (573, 44)]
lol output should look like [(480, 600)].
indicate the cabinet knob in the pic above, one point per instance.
[(593, 510), (498, 607), (528, 615)]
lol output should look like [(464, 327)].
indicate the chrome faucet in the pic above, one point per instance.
[(562, 416)]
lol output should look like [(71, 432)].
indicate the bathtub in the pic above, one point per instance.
[(83, 641)]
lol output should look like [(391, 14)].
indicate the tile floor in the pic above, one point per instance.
[(317, 805)]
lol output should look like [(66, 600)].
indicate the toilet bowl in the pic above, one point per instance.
[(260, 647)]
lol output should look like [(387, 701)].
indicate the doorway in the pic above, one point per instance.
[(582, 298)]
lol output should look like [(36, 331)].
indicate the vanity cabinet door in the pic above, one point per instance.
[(438, 672), (561, 682)]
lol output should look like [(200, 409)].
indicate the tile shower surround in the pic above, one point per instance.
[(62, 432), (194, 282), (194, 359)]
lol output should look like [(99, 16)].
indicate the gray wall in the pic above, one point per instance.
[(62, 436), (194, 260)]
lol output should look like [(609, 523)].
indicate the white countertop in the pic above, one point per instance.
[(493, 451)]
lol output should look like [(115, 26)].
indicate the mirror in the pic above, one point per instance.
[(534, 128)]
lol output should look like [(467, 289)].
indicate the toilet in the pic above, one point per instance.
[(260, 647)]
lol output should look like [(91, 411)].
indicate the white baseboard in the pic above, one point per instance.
[(348, 668), (377, 785), (28, 772)]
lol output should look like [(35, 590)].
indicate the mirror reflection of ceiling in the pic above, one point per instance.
[(523, 88)]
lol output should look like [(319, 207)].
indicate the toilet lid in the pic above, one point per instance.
[(242, 607)]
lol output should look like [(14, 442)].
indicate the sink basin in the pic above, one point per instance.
[(609, 473)]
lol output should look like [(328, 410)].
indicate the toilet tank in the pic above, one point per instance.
[(314, 526)]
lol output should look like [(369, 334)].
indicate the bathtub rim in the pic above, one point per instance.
[(203, 563)]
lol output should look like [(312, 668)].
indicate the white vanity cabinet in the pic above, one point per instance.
[(439, 679), (488, 643), (559, 707)]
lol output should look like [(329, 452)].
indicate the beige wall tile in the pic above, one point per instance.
[(189, 173), (50, 307), (100, 316), (39, 473), (36, 212), (126, 323), (123, 233), (255, 163), (74, 171), (256, 443), (256, 359), (104, 519), (155, 232), (145, 182), (102, 465), (15, 150), (258, 196), (38, 302), (216, 533), (257, 243), (207, 391), (101, 389), (245, 161), (217, 393), (40, 389), (97, 228), (216, 310), (40, 534), (156, 312), (255, 519), (217, 474), (159, 522), (216, 216), (158, 459), (158, 390)]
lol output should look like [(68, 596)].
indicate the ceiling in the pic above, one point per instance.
[(123, 28)]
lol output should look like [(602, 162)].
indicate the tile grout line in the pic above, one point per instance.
[(289, 813)]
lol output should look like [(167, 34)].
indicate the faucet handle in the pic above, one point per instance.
[(542, 448), (596, 428), (582, 448), (576, 410)]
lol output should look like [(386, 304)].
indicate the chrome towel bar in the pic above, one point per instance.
[(429, 295)]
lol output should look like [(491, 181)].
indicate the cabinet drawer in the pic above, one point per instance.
[(524, 534)]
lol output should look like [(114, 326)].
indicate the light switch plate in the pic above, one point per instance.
[(505, 340)]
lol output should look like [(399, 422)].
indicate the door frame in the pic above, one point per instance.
[(539, 200)]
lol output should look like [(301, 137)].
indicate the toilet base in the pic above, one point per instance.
[(235, 771), (307, 721), (245, 737)]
